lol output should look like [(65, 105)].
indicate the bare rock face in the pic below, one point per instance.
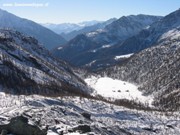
[(19, 126)]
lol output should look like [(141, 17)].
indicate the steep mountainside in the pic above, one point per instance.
[(128, 26), (86, 50), (155, 34), (47, 37), (28, 68)]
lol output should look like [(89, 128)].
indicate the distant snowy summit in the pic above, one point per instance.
[(69, 27)]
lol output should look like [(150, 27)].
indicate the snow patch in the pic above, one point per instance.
[(171, 34), (92, 62), (91, 34), (123, 56), (106, 46), (59, 48)]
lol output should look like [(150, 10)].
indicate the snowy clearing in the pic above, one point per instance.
[(117, 89)]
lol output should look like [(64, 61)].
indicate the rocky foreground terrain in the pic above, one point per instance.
[(75, 115)]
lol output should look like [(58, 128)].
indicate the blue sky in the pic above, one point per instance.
[(60, 11)]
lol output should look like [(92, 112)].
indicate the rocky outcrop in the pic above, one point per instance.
[(19, 126), (81, 128), (86, 115)]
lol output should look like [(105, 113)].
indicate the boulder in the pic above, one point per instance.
[(86, 115), (19, 125), (82, 129)]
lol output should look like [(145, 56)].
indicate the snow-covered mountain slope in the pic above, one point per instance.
[(47, 37), (75, 116), (88, 47), (69, 27), (87, 29), (27, 68), (128, 26)]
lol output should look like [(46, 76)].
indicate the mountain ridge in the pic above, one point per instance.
[(102, 39), (47, 37), (69, 27)]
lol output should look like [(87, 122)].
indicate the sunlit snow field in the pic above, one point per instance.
[(117, 89)]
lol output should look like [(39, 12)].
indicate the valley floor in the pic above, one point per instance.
[(70, 114)]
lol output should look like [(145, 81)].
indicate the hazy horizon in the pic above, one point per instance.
[(70, 11)]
